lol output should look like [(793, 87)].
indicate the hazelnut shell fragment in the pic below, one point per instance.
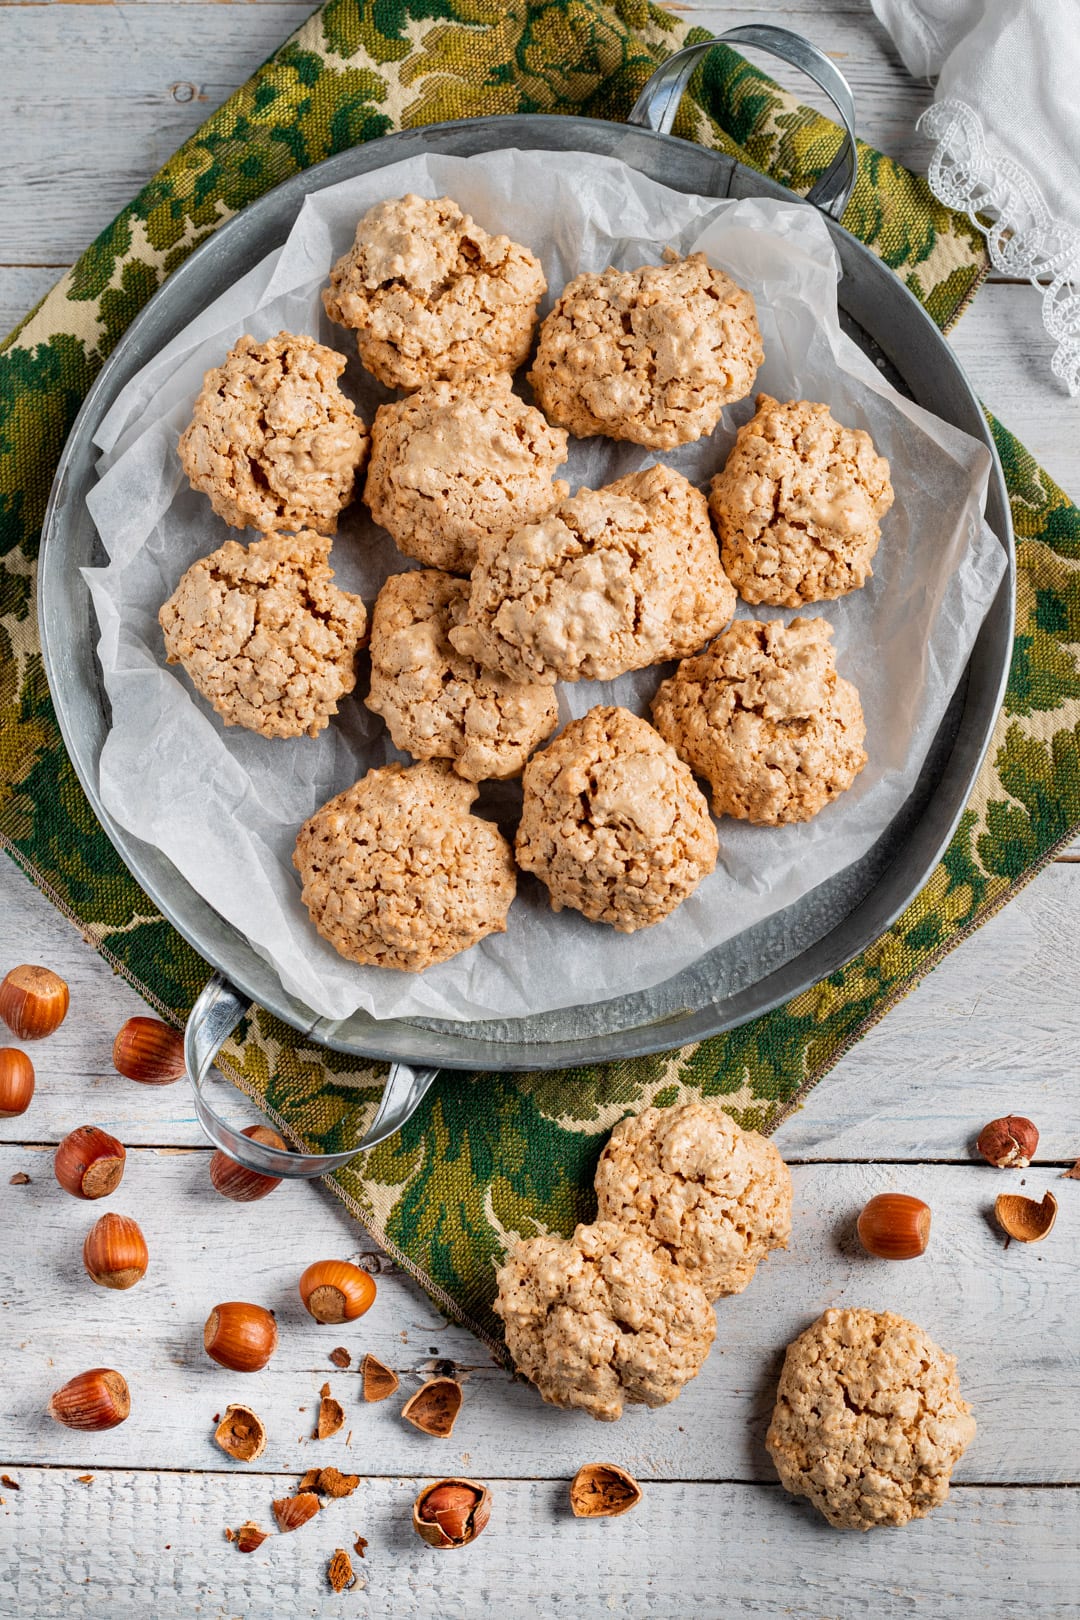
[(434, 1408), (452, 1512), (33, 1002), (603, 1491), (149, 1051), (330, 1482), (1024, 1219), (249, 1537), (331, 1416), (241, 1434), (293, 1511), (380, 1381), (1008, 1143)]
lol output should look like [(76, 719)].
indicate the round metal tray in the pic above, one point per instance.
[(753, 972)]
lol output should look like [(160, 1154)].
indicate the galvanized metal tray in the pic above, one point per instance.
[(753, 972)]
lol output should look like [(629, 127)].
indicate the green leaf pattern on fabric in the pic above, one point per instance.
[(491, 1155)]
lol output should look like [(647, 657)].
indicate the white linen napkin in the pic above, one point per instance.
[(1006, 119)]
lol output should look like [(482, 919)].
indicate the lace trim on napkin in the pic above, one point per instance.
[(1022, 236)]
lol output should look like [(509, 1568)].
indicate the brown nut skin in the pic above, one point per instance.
[(240, 1336), (1008, 1143), (245, 1186), (241, 1434), (33, 1002), (149, 1051), (16, 1082), (1023, 1218), (336, 1291), (115, 1253), (452, 1512), (89, 1163), (895, 1226), (603, 1491), (94, 1400)]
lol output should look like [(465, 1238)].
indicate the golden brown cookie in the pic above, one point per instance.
[(455, 462), (764, 717), (430, 294), (273, 441), (265, 636), (612, 579), (397, 873), (602, 1318), (436, 702), (651, 355), (715, 1197), (797, 505), (613, 823), (869, 1421)]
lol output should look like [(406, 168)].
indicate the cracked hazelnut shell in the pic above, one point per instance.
[(241, 1434), (603, 1491), (1025, 1219), (434, 1408), (452, 1512)]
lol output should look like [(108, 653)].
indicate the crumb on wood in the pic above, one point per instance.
[(84, 1479), (19, 1179), (360, 1546), (340, 1571), (341, 1357), (332, 1482), (12, 1484)]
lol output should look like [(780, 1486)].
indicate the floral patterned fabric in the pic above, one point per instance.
[(490, 1155)]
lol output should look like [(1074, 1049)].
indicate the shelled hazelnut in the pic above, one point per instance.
[(33, 1002), (1008, 1143)]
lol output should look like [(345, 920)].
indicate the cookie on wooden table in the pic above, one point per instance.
[(430, 294), (613, 823), (273, 441), (869, 1421), (398, 873), (651, 355), (717, 1198), (458, 461), (610, 580), (764, 717), (437, 703), (798, 505), (265, 636), (601, 1319)]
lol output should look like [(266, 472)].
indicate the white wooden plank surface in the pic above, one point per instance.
[(132, 1545)]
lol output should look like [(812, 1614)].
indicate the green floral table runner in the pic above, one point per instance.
[(489, 1155)]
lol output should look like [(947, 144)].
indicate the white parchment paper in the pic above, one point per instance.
[(225, 805)]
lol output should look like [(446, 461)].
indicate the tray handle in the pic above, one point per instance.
[(213, 1018), (658, 103)]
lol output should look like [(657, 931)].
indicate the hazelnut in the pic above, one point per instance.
[(234, 1180), (95, 1400), (435, 1407), (1008, 1143), (380, 1381), (452, 1512), (293, 1511), (335, 1291), (149, 1051), (1024, 1219), (603, 1491), (241, 1434), (16, 1082), (895, 1226), (33, 1002), (89, 1162), (115, 1253), (239, 1336)]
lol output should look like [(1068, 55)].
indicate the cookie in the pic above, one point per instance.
[(613, 823), (397, 873), (651, 355), (798, 505), (272, 440), (265, 636), (430, 294), (602, 1318), (436, 702), (612, 579), (764, 717), (455, 462), (716, 1197), (869, 1421)]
